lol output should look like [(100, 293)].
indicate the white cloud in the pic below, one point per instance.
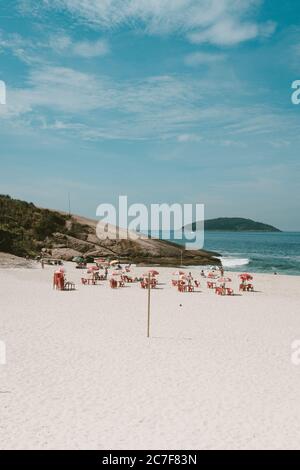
[(222, 22), (17, 45), (64, 44), (30, 51), (225, 32), (90, 49), (184, 109), (60, 42), (203, 58), (182, 138), (228, 32)]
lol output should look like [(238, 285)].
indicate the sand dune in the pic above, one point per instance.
[(80, 373)]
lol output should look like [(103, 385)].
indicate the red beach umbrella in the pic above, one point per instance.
[(246, 277)]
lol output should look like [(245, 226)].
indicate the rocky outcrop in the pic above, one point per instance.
[(130, 247), (66, 254)]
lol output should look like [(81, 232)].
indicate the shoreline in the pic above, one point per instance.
[(9, 261)]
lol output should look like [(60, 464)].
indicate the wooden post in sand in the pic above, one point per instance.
[(149, 294)]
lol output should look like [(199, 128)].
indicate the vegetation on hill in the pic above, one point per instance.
[(23, 226)]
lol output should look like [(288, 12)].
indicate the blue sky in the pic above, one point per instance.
[(160, 100)]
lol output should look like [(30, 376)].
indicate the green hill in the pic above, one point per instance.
[(233, 224), (24, 227)]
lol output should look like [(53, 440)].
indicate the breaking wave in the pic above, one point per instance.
[(234, 262)]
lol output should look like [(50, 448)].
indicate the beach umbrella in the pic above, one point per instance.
[(246, 277), (178, 273), (212, 275), (100, 260), (223, 280), (94, 268), (115, 261), (153, 272)]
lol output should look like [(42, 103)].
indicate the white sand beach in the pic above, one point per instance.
[(81, 374)]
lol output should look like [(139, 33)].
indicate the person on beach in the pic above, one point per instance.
[(222, 271), (190, 278)]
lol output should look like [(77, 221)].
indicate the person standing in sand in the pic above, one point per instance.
[(190, 278)]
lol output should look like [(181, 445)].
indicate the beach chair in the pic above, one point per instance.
[(181, 286), (88, 281), (69, 286), (113, 283), (197, 283), (219, 290), (58, 281)]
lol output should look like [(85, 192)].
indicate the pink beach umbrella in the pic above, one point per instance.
[(223, 280), (212, 275)]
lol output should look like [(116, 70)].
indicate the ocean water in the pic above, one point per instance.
[(256, 252)]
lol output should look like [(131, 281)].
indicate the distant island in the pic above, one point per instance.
[(232, 224)]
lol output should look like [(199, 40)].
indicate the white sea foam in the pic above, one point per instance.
[(233, 262)]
